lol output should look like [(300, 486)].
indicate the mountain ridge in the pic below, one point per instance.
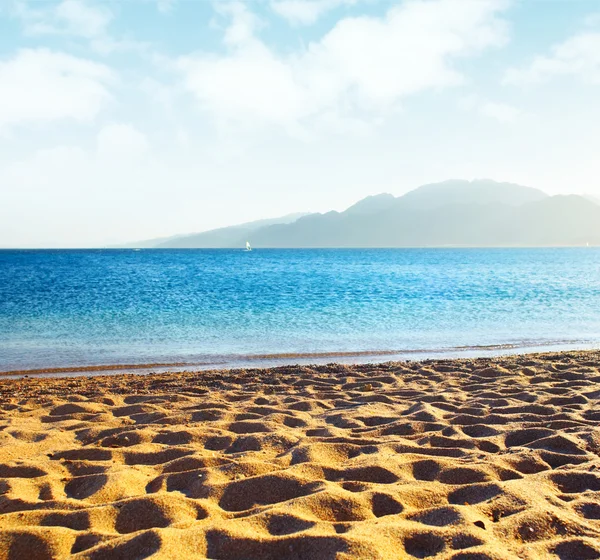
[(454, 213), (205, 239)]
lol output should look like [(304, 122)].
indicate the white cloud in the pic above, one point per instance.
[(362, 64), (577, 56), (252, 84), (592, 20), (83, 19), (32, 177), (306, 12), (74, 18), (244, 23), (72, 194), (165, 6), (500, 111), (119, 141), (39, 85)]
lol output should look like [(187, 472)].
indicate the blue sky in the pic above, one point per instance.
[(131, 119)]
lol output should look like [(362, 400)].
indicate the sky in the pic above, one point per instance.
[(123, 120)]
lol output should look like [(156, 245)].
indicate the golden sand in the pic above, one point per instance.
[(457, 459)]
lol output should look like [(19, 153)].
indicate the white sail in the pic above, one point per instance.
[(248, 248)]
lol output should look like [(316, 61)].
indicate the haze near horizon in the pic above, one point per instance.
[(139, 120)]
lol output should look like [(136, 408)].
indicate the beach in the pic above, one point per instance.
[(462, 459)]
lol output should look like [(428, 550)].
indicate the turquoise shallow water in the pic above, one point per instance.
[(87, 307)]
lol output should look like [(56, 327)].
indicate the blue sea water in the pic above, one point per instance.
[(61, 308)]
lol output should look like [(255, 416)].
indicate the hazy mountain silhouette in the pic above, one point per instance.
[(483, 191), (591, 198), (372, 204), (226, 237), (148, 243), (480, 213)]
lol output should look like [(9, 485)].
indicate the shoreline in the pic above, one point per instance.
[(239, 361), (119, 372), (495, 458)]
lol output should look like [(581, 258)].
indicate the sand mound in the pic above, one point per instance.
[(464, 460)]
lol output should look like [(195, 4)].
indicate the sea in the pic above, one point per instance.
[(180, 309)]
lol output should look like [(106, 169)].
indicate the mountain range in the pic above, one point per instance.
[(456, 213), (225, 237)]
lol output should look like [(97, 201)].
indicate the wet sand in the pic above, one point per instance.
[(465, 459)]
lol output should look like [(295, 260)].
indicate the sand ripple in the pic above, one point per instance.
[(465, 460)]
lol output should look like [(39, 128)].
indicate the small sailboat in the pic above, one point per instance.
[(248, 248)]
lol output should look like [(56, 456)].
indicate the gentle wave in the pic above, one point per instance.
[(273, 360)]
